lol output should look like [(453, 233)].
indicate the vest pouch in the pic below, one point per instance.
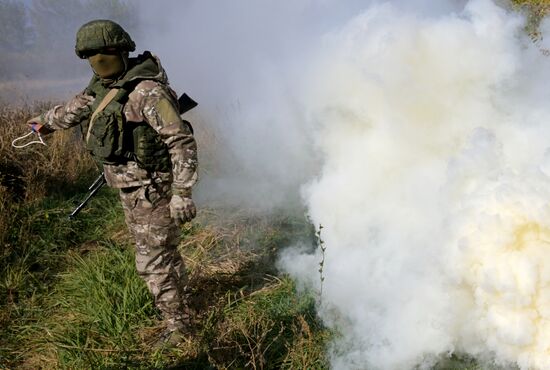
[(150, 151), (103, 138)]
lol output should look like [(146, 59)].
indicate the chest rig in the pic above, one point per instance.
[(110, 139)]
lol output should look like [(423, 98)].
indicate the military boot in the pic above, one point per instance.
[(171, 338), (178, 330)]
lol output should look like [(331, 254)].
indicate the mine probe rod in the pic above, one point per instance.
[(94, 188)]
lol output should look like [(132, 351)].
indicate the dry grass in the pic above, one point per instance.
[(536, 11), (29, 174), (211, 147), (219, 259), (539, 7), (245, 316), (34, 171)]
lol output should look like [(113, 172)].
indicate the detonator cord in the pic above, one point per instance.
[(40, 141)]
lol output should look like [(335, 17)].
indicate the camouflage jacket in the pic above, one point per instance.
[(151, 101)]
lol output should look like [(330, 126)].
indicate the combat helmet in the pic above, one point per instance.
[(100, 34)]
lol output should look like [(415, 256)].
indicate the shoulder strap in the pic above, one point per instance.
[(104, 103)]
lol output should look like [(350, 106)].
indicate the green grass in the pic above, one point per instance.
[(96, 310), (38, 244), (72, 298), (40, 235)]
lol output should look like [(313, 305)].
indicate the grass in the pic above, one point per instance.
[(272, 328), (70, 296), (95, 311), (31, 268), (536, 11), (99, 314)]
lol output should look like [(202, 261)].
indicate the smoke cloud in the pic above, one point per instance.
[(433, 191), (415, 132), (244, 63)]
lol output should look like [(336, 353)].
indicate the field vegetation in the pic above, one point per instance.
[(69, 294)]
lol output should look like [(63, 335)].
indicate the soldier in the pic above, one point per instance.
[(132, 126)]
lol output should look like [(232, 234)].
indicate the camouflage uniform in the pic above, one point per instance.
[(145, 194)]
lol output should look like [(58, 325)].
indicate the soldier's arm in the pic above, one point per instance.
[(159, 109), (66, 115)]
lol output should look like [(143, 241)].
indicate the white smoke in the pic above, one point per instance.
[(243, 61), (434, 191), (421, 129)]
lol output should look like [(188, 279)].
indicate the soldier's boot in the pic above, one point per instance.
[(171, 338), (178, 329), (175, 335)]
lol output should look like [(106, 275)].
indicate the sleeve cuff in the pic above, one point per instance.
[(182, 192), (45, 122)]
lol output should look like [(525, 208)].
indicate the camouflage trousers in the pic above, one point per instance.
[(158, 262)]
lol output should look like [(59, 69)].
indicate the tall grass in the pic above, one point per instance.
[(98, 313), (70, 296), (37, 185), (33, 184), (94, 313)]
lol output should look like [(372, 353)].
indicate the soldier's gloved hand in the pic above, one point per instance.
[(36, 125), (182, 209)]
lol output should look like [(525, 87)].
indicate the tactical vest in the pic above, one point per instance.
[(112, 140)]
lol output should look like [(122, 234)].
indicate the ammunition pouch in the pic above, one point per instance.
[(147, 148), (105, 139)]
